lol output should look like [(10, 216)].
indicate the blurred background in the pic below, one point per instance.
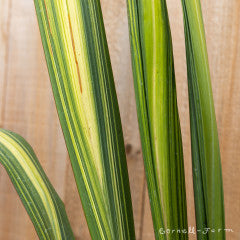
[(27, 107)]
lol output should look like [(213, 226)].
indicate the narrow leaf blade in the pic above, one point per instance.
[(38, 196), (155, 91), (207, 172)]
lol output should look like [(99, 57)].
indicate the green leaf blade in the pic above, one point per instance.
[(207, 172), (155, 91), (38, 196), (80, 71)]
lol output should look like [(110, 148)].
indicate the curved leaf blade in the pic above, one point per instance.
[(38, 196), (78, 61)]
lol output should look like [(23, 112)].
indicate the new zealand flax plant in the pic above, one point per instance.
[(78, 61), (77, 57), (155, 91), (206, 161)]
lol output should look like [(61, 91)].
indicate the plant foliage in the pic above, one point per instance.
[(155, 91), (38, 196), (78, 61), (206, 161)]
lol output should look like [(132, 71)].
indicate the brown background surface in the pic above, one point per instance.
[(27, 107)]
